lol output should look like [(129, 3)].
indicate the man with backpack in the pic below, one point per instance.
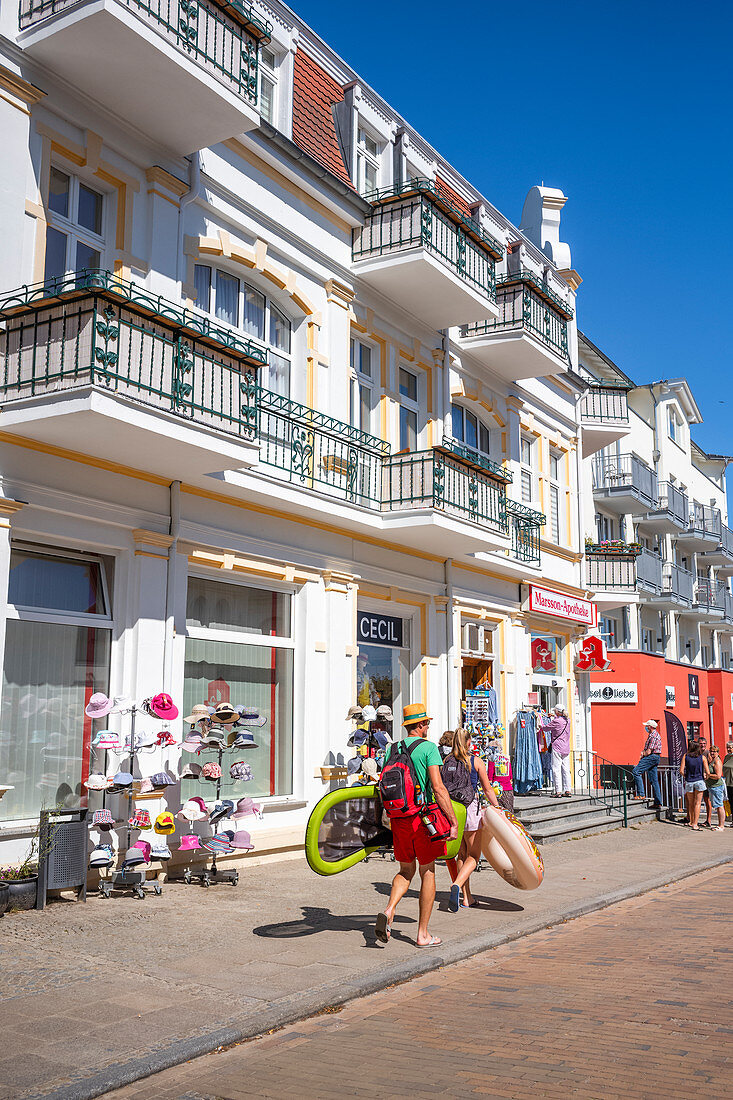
[(421, 816)]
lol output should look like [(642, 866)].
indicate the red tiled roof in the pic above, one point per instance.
[(444, 189), (314, 94)]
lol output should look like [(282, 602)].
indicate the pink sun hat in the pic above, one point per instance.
[(246, 808), (98, 706), (189, 843), (162, 706), (243, 840)]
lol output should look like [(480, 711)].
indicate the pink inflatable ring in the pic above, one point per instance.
[(510, 850)]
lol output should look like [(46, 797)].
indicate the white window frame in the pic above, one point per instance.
[(367, 158), (555, 497), (270, 304), (270, 74), (71, 229), (527, 475), (675, 426), (362, 381), (409, 404), (480, 426)]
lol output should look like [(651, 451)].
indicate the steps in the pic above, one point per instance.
[(549, 819)]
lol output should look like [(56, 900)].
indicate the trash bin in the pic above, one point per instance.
[(62, 860)]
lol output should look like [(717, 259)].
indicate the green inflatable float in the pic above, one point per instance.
[(346, 825)]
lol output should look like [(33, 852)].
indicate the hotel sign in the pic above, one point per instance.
[(573, 609)]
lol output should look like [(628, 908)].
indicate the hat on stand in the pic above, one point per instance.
[(145, 848), (246, 807), (353, 766), (354, 712), (102, 856), (211, 771), (385, 712), (369, 769), (358, 738), (160, 850), (194, 741), (97, 782), (164, 823), (224, 713), (219, 845), (214, 739), (222, 809), (252, 718), (145, 786), (242, 840), (164, 738), (122, 779), (161, 706), (98, 706), (199, 712), (189, 843), (106, 739), (140, 820), (243, 740), (192, 811), (120, 703), (368, 714), (162, 779), (144, 741), (102, 819), (241, 770), (132, 856), (382, 738), (191, 771)]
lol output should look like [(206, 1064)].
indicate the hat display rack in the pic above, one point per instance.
[(370, 737), (221, 731)]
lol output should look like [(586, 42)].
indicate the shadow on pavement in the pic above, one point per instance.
[(316, 920), (494, 905)]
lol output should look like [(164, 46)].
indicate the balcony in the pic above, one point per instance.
[(604, 417), (669, 513), (184, 72), (726, 626), (426, 256), (709, 602), (722, 555), (704, 530), (624, 484), (529, 339), (677, 591), (611, 577), (95, 364), (525, 527)]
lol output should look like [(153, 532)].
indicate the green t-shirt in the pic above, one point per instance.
[(425, 755)]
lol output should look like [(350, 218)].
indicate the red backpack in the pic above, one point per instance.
[(400, 791)]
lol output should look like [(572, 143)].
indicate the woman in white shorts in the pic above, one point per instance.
[(460, 895)]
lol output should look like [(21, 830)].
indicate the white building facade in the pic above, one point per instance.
[(289, 410)]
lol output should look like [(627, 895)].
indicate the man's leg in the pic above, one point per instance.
[(638, 772), (706, 800), (427, 900), (400, 886)]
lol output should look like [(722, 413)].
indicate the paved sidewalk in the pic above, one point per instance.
[(568, 1012), (98, 995)]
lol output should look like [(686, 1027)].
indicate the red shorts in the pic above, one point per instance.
[(412, 841)]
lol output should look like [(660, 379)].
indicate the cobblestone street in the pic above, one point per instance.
[(632, 1001)]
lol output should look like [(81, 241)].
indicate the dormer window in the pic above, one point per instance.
[(674, 422), (367, 163), (268, 85)]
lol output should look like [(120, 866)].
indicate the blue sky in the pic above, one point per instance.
[(624, 106)]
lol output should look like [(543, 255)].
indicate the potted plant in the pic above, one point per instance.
[(21, 883)]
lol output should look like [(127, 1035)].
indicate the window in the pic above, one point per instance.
[(239, 649), (243, 307), (647, 640), (57, 654), (725, 659), (605, 527), (527, 471), (705, 656), (363, 396), (555, 497), (74, 233), (268, 85), (383, 673), (675, 426), (469, 430), (408, 410), (367, 163), (609, 632)]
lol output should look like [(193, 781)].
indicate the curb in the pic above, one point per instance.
[(299, 1006)]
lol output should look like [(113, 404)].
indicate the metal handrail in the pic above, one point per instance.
[(611, 571), (542, 289), (434, 479), (462, 450), (604, 404), (625, 471), (594, 777), (703, 518), (672, 500), (303, 414)]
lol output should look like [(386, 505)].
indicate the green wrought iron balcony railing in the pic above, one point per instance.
[(526, 525), (223, 37), (417, 215), (525, 302), (462, 450), (436, 479), (605, 405), (91, 329)]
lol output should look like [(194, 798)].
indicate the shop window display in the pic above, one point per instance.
[(57, 654), (222, 667), (383, 674)]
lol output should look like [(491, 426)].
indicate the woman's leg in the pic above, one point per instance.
[(556, 772), (696, 802), (565, 773), (688, 806), (473, 855)]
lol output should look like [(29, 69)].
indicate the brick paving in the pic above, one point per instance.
[(98, 994), (631, 1001)]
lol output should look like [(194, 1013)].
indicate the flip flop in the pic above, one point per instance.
[(432, 942), (383, 928), (471, 905), (454, 902)]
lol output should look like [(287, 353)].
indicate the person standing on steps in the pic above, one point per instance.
[(649, 762), (413, 845), (559, 729)]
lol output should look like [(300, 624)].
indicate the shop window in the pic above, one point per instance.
[(239, 649), (408, 410), (57, 654), (75, 226), (243, 307), (383, 672), (363, 388), (470, 431)]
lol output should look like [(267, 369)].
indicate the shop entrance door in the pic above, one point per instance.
[(477, 673), (549, 695)]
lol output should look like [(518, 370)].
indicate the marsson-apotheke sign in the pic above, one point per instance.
[(546, 601)]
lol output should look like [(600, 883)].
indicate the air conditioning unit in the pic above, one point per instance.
[(476, 639)]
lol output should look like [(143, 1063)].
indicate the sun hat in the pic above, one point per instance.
[(221, 809), (246, 807), (161, 706), (218, 844), (165, 737), (120, 703), (106, 739), (189, 843), (211, 771), (353, 766), (160, 850), (140, 820), (122, 779), (164, 823), (191, 811), (102, 817), (241, 770), (414, 713), (651, 724), (252, 719), (369, 768), (145, 741), (145, 847), (145, 786), (243, 740), (199, 712), (225, 713), (382, 738), (215, 738), (132, 856), (97, 782), (162, 779), (354, 712), (243, 840), (194, 741), (191, 771), (385, 712), (199, 802), (368, 714), (98, 705), (102, 856)]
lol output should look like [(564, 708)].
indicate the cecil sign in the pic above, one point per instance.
[(379, 629), (545, 601)]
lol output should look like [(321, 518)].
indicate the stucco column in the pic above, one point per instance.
[(8, 509)]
